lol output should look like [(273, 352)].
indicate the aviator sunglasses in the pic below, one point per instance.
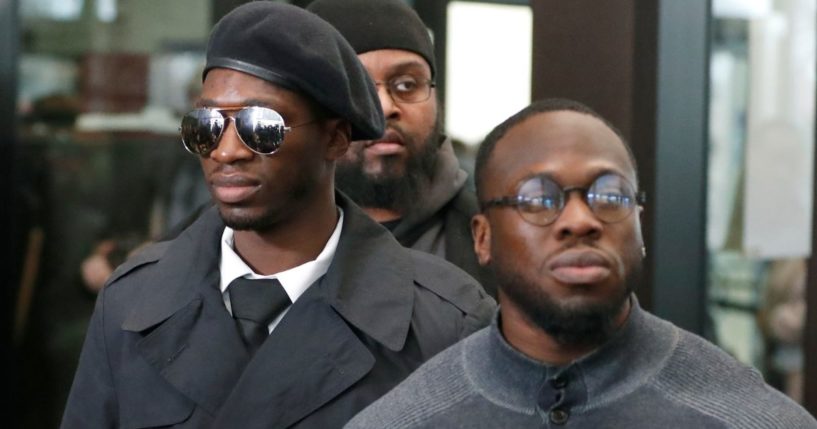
[(261, 129)]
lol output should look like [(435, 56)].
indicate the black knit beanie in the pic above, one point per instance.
[(293, 48), (370, 25)]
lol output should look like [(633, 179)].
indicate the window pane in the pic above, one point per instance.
[(760, 181), (102, 86), (488, 66)]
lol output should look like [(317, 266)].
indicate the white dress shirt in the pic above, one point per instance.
[(295, 280)]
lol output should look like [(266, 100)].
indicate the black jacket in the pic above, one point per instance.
[(162, 350)]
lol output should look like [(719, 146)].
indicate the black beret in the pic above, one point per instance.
[(295, 49), (370, 25)]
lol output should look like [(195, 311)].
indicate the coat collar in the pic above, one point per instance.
[(370, 281), (181, 273), (330, 359)]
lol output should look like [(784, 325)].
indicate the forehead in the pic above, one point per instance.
[(572, 147), (386, 63), (226, 87)]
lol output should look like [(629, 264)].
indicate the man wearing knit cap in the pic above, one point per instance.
[(409, 179), (284, 305)]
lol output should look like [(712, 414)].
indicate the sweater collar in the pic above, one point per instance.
[(444, 185), (629, 359)]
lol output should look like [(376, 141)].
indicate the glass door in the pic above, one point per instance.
[(760, 182), (101, 86)]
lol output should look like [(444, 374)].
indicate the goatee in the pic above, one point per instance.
[(569, 325)]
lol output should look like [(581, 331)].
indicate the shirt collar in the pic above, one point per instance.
[(295, 280)]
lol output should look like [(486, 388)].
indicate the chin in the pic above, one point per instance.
[(242, 219), (584, 316), (386, 168)]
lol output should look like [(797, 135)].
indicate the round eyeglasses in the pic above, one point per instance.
[(408, 88), (261, 129), (540, 200)]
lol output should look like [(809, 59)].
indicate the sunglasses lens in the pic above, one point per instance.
[(261, 129), (201, 130)]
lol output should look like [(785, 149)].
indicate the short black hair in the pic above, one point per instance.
[(541, 106)]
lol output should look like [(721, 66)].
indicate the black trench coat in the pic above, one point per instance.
[(162, 350)]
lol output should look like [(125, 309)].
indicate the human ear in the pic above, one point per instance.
[(639, 232), (481, 232), (340, 135)]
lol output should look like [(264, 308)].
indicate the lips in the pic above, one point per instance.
[(579, 267), (390, 144), (234, 188)]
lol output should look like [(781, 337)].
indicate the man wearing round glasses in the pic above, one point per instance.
[(409, 179), (284, 305), (570, 345)]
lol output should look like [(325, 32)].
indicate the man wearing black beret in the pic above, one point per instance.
[(409, 179), (284, 305)]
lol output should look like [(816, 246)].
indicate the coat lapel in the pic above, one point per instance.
[(310, 358), (371, 279), (314, 354), (190, 338)]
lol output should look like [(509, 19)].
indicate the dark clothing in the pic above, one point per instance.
[(440, 222), (294, 49), (651, 374), (163, 350)]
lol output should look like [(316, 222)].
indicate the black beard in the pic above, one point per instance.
[(388, 191), (571, 326)]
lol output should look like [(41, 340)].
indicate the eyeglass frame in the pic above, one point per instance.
[(389, 84), (517, 200), (227, 118)]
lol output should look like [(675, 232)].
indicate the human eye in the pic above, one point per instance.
[(539, 203), (405, 84), (611, 197), (539, 194)]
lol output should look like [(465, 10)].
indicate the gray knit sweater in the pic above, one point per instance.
[(652, 374)]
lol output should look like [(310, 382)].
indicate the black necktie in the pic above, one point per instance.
[(255, 304)]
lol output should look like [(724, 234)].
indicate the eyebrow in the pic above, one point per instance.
[(409, 66)]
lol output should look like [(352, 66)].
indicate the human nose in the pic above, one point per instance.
[(390, 108), (230, 147), (577, 219)]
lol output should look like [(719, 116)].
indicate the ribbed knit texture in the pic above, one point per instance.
[(722, 390), (650, 375)]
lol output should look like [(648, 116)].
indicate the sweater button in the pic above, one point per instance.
[(558, 382), (559, 416)]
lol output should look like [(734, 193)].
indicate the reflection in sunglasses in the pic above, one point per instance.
[(261, 129)]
